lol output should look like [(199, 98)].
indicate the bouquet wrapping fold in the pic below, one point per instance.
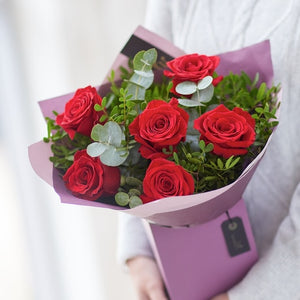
[(194, 260)]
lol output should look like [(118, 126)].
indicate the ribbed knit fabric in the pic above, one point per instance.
[(273, 195)]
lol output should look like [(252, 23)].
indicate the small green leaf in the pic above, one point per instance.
[(97, 107), (235, 162), (202, 145), (220, 163), (259, 110), (261, 91), (132, 181), (122, 198), (175, 156), (134, 192), (209, 178), (103, 118), (135, 201), (228, 162), (209, 147), (255, 81)]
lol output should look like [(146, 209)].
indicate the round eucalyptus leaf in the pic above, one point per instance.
[(137, 92), (113, 157), (204, 83), (111, 134), (189, 102), (150, 56), (122, 198), (137, 60), (134, 192), (186, 88), (204, 96), (142, 78), (96, 132), (96, 149), (135, 201)]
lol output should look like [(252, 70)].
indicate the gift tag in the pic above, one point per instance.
[(235, 236)]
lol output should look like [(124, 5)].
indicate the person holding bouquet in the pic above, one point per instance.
[(273, 195)]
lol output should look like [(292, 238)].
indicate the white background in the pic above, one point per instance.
[(50, 250)]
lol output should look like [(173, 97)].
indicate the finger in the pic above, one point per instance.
[(157, 294), (143, 296)]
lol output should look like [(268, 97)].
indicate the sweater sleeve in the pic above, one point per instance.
[(158, 17), (132, 239), (276, 275)]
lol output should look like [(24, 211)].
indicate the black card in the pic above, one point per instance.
[(235, 236)]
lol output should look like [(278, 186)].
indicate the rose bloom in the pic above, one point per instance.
[(165, 179), (159, 126), (79, 115), (231, 132), (192, 67), (89, 179)]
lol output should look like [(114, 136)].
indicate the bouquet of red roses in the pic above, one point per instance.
[(172, 138), (191, 132)]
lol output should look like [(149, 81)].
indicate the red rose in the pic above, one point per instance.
[(79, 115), (231, 132), (89, 179), (192, 67), (159, 126), (165, 179)]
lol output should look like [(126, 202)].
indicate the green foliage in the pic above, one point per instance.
[(143, 76), (62, 147), (209, 170), (129, 192)]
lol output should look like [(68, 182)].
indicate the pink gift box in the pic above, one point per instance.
[(194, 261)]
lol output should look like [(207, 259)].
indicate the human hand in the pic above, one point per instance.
[(147, 279), (223, 296)]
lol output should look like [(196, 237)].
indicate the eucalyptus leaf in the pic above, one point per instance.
[(113, 156), (137, 92), (144, 60), (135, 201), (96, 149), (122, 199), (186, 88), (189, 102), (110, 133), (204, 83), (142, 78), (96, 132), (150, 56), (204, 96)]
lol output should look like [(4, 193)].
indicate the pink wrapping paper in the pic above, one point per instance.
[(195, 263), (172, 211)]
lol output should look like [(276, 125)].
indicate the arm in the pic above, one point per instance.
[(135, 253)]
